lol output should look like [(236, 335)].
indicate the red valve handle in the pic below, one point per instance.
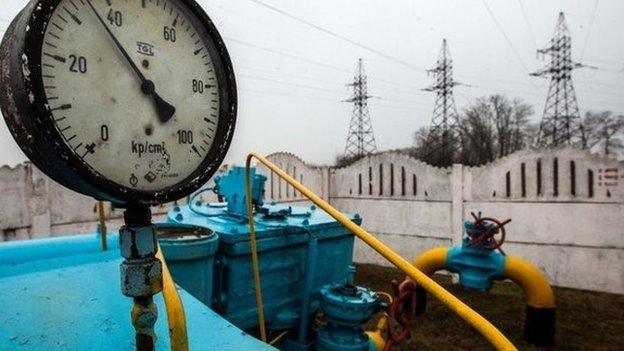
[(489, 232), (403, 311)]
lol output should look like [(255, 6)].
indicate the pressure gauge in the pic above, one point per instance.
[(130, 101)]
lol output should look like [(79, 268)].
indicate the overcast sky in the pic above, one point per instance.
[(291, 104)]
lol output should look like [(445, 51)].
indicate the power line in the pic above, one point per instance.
[(526, 19), (589, 28), (290, 75), (311, 97), (303, 59), (383, 89), (299, 58), (602, 83), (338, 36), (289, 83), (339, 69), (410, 93), (502, 31), (399, 100), (409, 102), (414, 102), (289, 95), (584, 83), (533, 93), (617, 62)]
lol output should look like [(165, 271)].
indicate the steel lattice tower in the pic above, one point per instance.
[(361, 140), (561, 123), (443, 133)]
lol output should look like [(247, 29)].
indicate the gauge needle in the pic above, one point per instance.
[(165, 109)]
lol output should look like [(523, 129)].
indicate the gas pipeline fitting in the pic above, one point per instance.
[(481, 260), (141, 273), (347, 308)]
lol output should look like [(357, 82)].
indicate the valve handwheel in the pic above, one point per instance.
[(490, 227), (403, 311)]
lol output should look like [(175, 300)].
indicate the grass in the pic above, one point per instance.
[(585, 320)]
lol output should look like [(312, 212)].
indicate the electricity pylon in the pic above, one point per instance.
[(561, 123), (443, 138), (361, 140)]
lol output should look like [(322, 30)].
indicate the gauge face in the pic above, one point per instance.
[(138, 95), (97, 99)]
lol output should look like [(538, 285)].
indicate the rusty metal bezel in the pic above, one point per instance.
[(27, 114)]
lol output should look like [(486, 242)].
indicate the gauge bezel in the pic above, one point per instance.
[(27, 113)]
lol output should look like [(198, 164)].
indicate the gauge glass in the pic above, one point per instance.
[(104, 109)]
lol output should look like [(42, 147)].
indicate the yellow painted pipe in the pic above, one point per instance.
[(379, 334), (432, 260), (253, 244), (175, 310), (538, 292), (483, 326), (102, 220)]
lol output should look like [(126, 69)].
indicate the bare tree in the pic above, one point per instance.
[(435, 148), (345, 160), (478, 142), (603, 130), (492, 127), (511, 120)]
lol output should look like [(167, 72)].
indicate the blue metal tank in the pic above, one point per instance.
[(293, 242), (284, 233), (190, 251)]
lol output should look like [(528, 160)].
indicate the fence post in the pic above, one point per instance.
[(39, 204), (326, 179), (457, 204)]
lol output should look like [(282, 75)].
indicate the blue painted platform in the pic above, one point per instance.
[(75, 303)]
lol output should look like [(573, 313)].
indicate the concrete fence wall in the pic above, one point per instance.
[(566, 206), (34, 206)]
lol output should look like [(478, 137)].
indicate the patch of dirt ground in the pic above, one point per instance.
[(586, 320)]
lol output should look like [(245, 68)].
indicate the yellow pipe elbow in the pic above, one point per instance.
[(538, 291), (378, 336), (432, 260)]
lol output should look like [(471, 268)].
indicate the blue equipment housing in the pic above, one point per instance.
[(232, 188), (347, 308), (478, 267), (190, 253), (301, 250)]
